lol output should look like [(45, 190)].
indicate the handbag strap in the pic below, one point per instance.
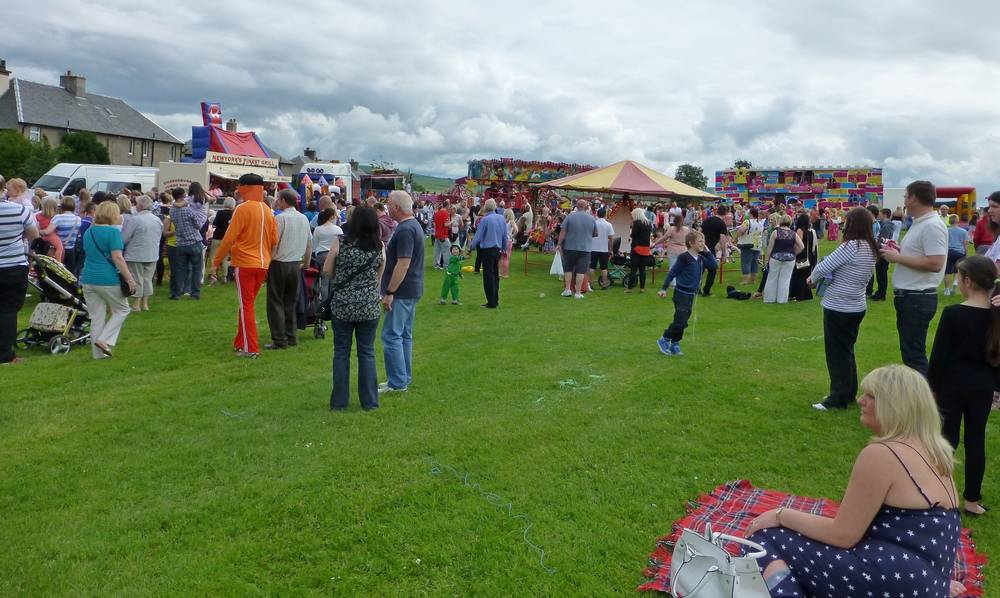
[(99, 250), (355, 273)]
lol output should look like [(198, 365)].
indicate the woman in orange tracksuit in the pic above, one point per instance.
[(251, 237)]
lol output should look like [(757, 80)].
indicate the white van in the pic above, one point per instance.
[(68, 179)]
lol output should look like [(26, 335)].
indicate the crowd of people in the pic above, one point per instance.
[(371, 259)]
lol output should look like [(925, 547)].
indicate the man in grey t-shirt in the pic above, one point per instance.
[(402, 285), (575, 240)]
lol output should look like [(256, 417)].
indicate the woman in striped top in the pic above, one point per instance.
[(849, 267)]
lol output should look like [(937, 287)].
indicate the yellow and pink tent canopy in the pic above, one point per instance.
[(627, 177)]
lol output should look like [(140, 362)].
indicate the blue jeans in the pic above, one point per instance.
[(397, 342), (189, 269), (344, 333)]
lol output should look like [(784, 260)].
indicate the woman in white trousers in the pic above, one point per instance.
[(780, 259), (104, 263)]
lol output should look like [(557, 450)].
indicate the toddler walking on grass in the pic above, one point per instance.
[(451, 275), (686, 271)]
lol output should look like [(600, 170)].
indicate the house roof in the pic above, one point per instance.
[(52, 106)]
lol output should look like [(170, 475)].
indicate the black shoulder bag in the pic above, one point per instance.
[(122, 283)]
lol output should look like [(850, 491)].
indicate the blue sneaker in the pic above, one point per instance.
[(664, 346), (675, 349)]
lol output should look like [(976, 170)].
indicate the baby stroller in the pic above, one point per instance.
[(619, 264), (61, 319), (311, 281)]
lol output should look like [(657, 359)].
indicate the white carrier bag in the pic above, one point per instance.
[(702, 568)]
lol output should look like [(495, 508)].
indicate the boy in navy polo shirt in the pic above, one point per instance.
[(687, 272)]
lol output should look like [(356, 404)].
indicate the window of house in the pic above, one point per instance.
[(35, 134), (131, 146), (173, 152), (145, 148)]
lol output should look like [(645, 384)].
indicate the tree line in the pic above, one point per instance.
[(29, 160)]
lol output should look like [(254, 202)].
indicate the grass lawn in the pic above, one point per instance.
[(176, 469)]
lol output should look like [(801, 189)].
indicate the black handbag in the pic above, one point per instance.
[(122, 283)]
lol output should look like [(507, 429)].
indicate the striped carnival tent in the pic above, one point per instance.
[(627, 177)]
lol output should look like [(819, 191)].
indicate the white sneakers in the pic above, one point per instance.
[(567, 293), (384, 388), (578, 296)]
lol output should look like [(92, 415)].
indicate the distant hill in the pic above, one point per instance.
[(432, 184)]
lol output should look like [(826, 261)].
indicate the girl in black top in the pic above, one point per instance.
[(799, 290), (964, 372), (639, 256)]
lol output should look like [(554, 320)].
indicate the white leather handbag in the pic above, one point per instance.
[(702, 568)]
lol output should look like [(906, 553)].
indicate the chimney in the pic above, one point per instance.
[(310, 153), (231, 125), (4, 77), (75, 84)]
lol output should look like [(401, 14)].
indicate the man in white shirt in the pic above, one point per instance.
[(600, 249), (290, 254), (920, 265)]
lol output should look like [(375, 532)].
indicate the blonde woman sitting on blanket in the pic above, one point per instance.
[(898, 526)]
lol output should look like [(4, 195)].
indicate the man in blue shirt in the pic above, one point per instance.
[(491, 238), (958, 248)]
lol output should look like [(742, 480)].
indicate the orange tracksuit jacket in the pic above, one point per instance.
[(251, 236)]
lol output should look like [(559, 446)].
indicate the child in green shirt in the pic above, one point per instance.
[(451, 275)]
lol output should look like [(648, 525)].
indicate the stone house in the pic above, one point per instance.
[(36, 110)]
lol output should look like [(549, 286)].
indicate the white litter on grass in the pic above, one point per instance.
[(497, 501), (572, 384), (803, 340), (541, 295)]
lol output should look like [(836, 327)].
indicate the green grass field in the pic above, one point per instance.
[(176, 469)]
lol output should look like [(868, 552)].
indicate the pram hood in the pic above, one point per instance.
[(57, 284)]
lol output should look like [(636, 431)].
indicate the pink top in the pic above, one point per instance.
[(675, 240)]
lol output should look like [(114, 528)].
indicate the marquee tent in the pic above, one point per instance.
[(627, 177)]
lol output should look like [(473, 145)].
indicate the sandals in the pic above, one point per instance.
[(103, 349), (974, 513)]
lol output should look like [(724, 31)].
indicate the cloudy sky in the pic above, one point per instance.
[(909, 85)]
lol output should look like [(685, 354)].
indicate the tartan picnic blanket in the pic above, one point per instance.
[(732, 506)]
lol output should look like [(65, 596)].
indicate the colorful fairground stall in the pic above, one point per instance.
[(816, 186), (510, 180)]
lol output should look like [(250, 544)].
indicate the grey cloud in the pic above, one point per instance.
[(723, 124), (431, 85)]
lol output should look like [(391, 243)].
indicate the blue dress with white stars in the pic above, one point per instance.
[(905, 553)]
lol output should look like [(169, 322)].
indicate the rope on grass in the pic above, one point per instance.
[(497, 501), (239, 415)]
